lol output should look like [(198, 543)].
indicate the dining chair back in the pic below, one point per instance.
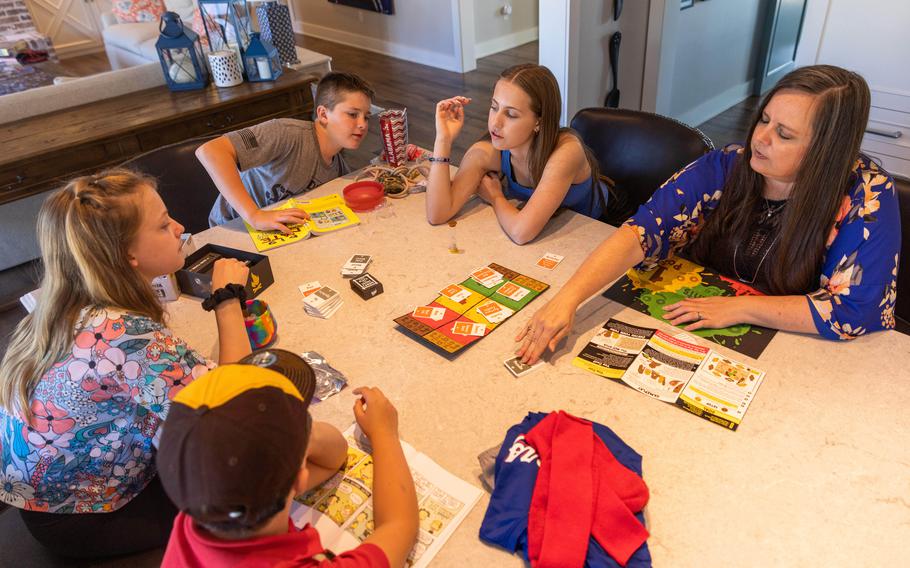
[(183, 183), (638, 150)]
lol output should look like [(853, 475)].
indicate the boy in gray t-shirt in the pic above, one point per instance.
[(261, 165)]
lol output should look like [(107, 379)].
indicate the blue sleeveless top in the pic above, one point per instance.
[(580, 197)]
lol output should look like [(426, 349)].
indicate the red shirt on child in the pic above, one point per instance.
[(190, 546)]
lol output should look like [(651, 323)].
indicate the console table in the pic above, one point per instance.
[(42, 151)]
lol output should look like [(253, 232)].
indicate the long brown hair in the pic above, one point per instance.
[(825, 175), (543, 90), (84, 232)]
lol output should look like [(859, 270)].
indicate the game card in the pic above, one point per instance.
[(469, 328), (433, 313), (487, 277), (495, 313), (309, 288), (513, 291), (455, 293), (519, 369), (550, 260)]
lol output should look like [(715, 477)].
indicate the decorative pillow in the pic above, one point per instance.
[(131, 11)]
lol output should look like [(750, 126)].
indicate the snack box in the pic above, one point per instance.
[(195, 278)]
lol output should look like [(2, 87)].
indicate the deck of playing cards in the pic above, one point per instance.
[(366, 286), (519, 369), (356, 265), (322, 303)]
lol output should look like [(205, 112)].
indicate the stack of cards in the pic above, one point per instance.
[(322, 303), (356, 265), (487, 277), (519, 369)]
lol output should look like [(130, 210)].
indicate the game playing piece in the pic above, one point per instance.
[(356, 265), (550, 260), (519, 369), (309, 287), (455, 292)]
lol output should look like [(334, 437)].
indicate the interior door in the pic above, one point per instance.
[(73, 25), (783, 24)]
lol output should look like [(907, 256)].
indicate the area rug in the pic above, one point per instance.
[(15, 77)]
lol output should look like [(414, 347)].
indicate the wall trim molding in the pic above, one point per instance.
[(505, 42), (446, 61), (717, 104)]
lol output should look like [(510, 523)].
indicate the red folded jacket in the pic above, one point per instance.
[(581, 491)]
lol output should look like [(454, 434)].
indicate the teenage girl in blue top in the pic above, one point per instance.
[(539, 163)]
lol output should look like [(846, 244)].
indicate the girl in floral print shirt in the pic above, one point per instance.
[(89, 376), (798, 213)]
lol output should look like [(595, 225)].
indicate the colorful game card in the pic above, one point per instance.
[(493, 311), (550, 260), (487, 276), (435, 314), (455, 293), (309, 288), (469, 328), (513, 291)]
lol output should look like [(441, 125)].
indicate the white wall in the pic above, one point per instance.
[(494, 32), (422, 31), (716, 46)]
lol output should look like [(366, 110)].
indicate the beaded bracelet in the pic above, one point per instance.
[(439, 160)]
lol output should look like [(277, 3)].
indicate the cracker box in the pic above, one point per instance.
[(195, 278)]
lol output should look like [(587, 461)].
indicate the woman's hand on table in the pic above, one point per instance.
[(490, 187), (712, 313), (547, 327), (229, 271), (450, 117), (277, 219)]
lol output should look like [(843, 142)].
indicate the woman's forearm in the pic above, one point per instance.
[(787, 313)]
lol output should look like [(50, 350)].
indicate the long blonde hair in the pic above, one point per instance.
[(84, 232)]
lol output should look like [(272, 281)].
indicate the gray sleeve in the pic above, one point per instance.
[(259, 144)]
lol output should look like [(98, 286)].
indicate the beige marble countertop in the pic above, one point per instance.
[(818, 474)]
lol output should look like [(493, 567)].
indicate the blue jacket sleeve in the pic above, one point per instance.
[(673, 215), (858, 284)]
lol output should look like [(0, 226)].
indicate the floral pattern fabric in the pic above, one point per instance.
[(89, 447), (858, 283), (131, 11)]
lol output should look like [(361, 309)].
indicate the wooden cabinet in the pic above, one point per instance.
[(74, 26), (43, 151)]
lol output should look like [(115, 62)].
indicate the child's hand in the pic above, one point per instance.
[(277, 219), (375, 414), (450, 117), (229, 271)]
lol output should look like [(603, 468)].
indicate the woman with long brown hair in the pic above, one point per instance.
[(89, 375), (546, 166), (797, 213)]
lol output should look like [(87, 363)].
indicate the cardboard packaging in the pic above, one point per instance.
[(366, 286), (195, 278)]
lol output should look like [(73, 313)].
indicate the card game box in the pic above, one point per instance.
[(470, 310), (195, 278)]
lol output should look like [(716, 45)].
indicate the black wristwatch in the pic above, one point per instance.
[(229, 292)]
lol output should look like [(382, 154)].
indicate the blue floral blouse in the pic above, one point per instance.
[(96, 414), (857, 288)]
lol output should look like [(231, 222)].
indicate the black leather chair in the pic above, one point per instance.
[(902, 309), (184, 185), (637, 150)]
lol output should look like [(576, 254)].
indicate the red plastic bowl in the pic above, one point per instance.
[(364, 195)]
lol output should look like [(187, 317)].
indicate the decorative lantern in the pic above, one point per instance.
[(181, 55), (261, 60), (227, 24)]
